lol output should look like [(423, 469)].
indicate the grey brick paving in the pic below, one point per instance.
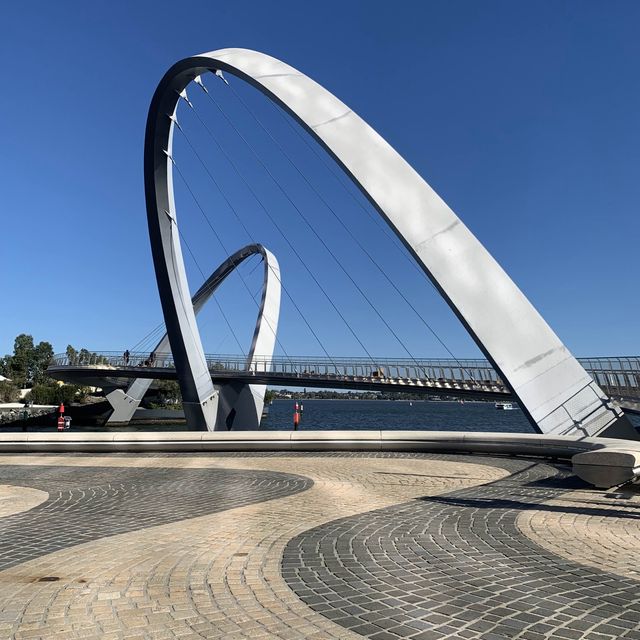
[(88, 503), (456, 566), (449, 566)]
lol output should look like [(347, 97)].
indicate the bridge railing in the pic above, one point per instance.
[(113, 359), (475, 373), (618, 376)]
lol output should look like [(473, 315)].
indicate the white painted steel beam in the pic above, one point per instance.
[(239, 405), (556, 393)]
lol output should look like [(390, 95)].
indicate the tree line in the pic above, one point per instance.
[(26, 368)]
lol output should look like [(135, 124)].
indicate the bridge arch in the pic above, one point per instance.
[(238, 405), (555, 392)]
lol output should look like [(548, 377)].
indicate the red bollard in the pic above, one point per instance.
[(61, 417)]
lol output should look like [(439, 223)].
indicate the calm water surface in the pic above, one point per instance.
[(373, 414), (389, 414)]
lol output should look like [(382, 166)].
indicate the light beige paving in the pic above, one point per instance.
[(215, 576), (18, 499), (591, 528)]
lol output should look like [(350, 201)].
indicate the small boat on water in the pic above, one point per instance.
[(505, 406)]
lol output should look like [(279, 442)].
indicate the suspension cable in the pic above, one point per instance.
[(342, 224), (244, 282), (315, 233), (224, 315), (284, 236), (275, 224), (251, 238), (147, 338)]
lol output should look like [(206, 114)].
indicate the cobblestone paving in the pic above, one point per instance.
[(596, 529), (215, 576), (375, 545), (457, 566), (89, 503), (17, 499)]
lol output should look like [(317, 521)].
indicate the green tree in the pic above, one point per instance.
[(53, 393), (9, 391), (43, 354), (169, 392), (22, 360), (29, 362), (72, 354)]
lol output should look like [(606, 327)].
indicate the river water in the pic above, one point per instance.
[(367, 414), (394, 414)]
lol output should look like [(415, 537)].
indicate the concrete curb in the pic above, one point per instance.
[(603, 462)]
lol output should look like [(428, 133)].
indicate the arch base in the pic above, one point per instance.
[(240, 407), (621, 428)]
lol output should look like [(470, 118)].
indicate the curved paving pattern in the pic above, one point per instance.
[(589, 528), (85, 504), (214, 576), (457, 566), (18, 499), (419, 550)]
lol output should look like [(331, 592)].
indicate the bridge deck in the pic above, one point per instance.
[(619, 377)]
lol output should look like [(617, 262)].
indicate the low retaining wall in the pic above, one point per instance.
[(603, 462)]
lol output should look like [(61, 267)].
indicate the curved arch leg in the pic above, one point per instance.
[(555, 392), (240, 406), (125, 403), (237, 406)]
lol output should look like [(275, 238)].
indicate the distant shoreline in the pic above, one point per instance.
[(379, 400)]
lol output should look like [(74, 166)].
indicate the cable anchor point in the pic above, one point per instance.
[(166, 153), (198, 81), (220, 75), (183, 95), (174, 119)]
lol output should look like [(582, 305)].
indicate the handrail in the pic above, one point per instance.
[(618, 376)]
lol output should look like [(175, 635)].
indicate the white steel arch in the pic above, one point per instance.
[(239, 406), (555, 392)]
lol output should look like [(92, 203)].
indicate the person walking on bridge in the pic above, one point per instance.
[(126, 357)]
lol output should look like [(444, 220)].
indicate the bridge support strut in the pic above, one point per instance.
[(239, 406)]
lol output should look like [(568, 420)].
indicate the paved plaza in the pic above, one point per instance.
[(298, 546)]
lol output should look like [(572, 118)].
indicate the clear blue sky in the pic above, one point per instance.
[(524, 116)]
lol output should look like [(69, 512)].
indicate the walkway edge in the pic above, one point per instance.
[(603, 462)]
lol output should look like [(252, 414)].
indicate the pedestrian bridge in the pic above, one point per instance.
[(619, 377)]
